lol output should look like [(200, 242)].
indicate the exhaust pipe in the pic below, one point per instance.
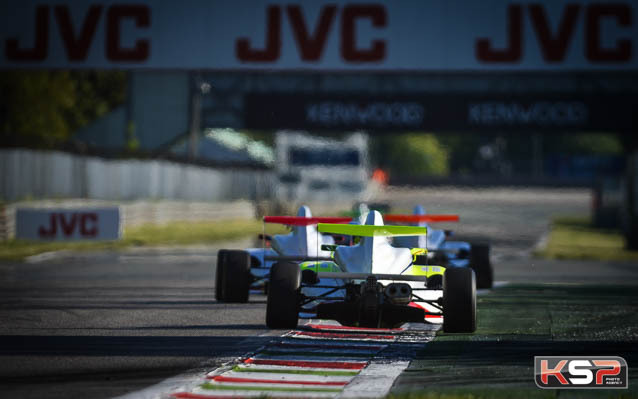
[(398, 293)]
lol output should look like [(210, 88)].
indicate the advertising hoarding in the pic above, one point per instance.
[(339, 35), (441, 112), (80, 224)]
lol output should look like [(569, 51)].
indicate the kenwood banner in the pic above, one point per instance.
[(334, 35), (459, 112)]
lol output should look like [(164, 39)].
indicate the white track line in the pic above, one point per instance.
[(186, 381), (260, 367), (261, 394), (375, 380), (288, 377)]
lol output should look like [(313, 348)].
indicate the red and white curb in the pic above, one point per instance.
[(321, 359), (318, 360)]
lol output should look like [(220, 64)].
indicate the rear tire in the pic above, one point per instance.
[(219, 293), (480, 262), (282, 309), (459, 300), (233, 276)]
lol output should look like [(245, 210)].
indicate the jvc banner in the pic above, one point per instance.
[(321, 35), (80, 224)]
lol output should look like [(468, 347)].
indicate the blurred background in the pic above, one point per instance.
[(256, 107)]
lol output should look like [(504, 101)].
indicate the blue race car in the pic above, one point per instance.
[(239, 271), (443, 251)]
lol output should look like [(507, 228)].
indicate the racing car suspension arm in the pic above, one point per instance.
[(298, 258), (307, 299), (332, 287), (432, 303), (364, 276)]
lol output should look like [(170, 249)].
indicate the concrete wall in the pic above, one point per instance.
[(48, 174)]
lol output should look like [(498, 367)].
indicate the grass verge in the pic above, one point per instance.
[(575, 238), (175, 233), (516, 323)]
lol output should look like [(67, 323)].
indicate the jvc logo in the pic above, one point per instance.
[(85, 223), (571, 372)]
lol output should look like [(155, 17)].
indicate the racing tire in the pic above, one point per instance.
[(282, 308), (233, 277), (459, 300), (480, 262), (219, 294)]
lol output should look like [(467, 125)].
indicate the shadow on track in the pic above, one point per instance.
[(55, 345), (132, 305)]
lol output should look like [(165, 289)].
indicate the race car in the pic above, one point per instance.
[(239, 271), (441, 250), (373, 284)]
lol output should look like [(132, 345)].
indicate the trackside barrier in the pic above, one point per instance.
[(51, 174)]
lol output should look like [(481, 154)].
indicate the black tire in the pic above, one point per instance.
[(233, 276), (282, 308), (480, 262), (219, 293), (459, 300)]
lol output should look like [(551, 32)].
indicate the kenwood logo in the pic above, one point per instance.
[(550, 113), (380, 113)]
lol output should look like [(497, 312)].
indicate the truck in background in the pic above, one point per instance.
[(319, 169)]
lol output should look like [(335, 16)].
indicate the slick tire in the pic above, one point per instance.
[(480, 262), (219, 294), (233, 277), (282, 308), (459, 300)]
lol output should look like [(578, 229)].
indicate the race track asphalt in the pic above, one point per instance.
[(98, 325), (94, 325)]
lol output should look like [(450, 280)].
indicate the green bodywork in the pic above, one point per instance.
[(371, 231), (325, 267), (428, 271), (414, 270)]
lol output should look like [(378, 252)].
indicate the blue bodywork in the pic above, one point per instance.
[(455, 253)]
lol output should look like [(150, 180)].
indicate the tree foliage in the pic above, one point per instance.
[(586, 143), (42, 109), (411, 154)]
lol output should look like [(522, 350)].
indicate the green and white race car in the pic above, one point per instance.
[(372, 284)]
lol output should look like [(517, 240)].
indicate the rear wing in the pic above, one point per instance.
[(421, 218), (371, 231), (305, 221)]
